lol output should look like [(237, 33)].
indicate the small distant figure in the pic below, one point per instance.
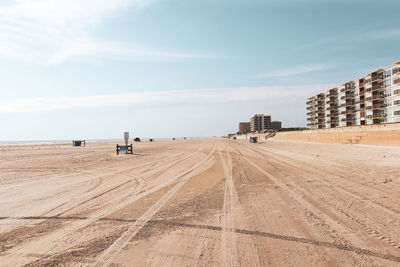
[(137, 139)]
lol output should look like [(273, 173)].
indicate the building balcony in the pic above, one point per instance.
[(379, 115), (377, 78), (332, 108), (378, 106), (378, 97), (332, 120), (350, 88), (352, 119), (377, 88), (350, 111)]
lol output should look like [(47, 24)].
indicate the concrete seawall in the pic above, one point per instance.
[(385, 134)]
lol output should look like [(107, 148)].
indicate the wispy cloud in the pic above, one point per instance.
[(296, 70), (224, 95), (56, 30), (382, 34), (317, 43)]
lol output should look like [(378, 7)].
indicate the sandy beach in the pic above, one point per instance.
[(200, 202)]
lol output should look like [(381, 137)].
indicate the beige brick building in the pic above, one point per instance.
[(244, 127)]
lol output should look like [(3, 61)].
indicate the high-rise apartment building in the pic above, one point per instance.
[(372, 99), (260, 122)]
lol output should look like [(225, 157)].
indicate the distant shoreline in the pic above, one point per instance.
[(50, 142), (55, 142)]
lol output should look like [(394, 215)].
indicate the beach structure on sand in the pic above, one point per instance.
[(127, 148), (79, 143), (270, 134), (253, 139)]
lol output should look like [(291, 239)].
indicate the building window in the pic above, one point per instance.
[(387, 73)]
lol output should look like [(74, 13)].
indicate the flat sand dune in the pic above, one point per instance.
[(200, 202)]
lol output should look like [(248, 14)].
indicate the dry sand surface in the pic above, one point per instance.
[(201, 202)]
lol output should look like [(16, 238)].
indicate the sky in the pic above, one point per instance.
[(92, 69)]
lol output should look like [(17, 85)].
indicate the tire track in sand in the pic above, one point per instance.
[(373, 231), (326, 220), (16, 256), (78, 200), (229, 243), (133, 230)]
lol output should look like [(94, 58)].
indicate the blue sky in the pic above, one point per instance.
[(94, 69)]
